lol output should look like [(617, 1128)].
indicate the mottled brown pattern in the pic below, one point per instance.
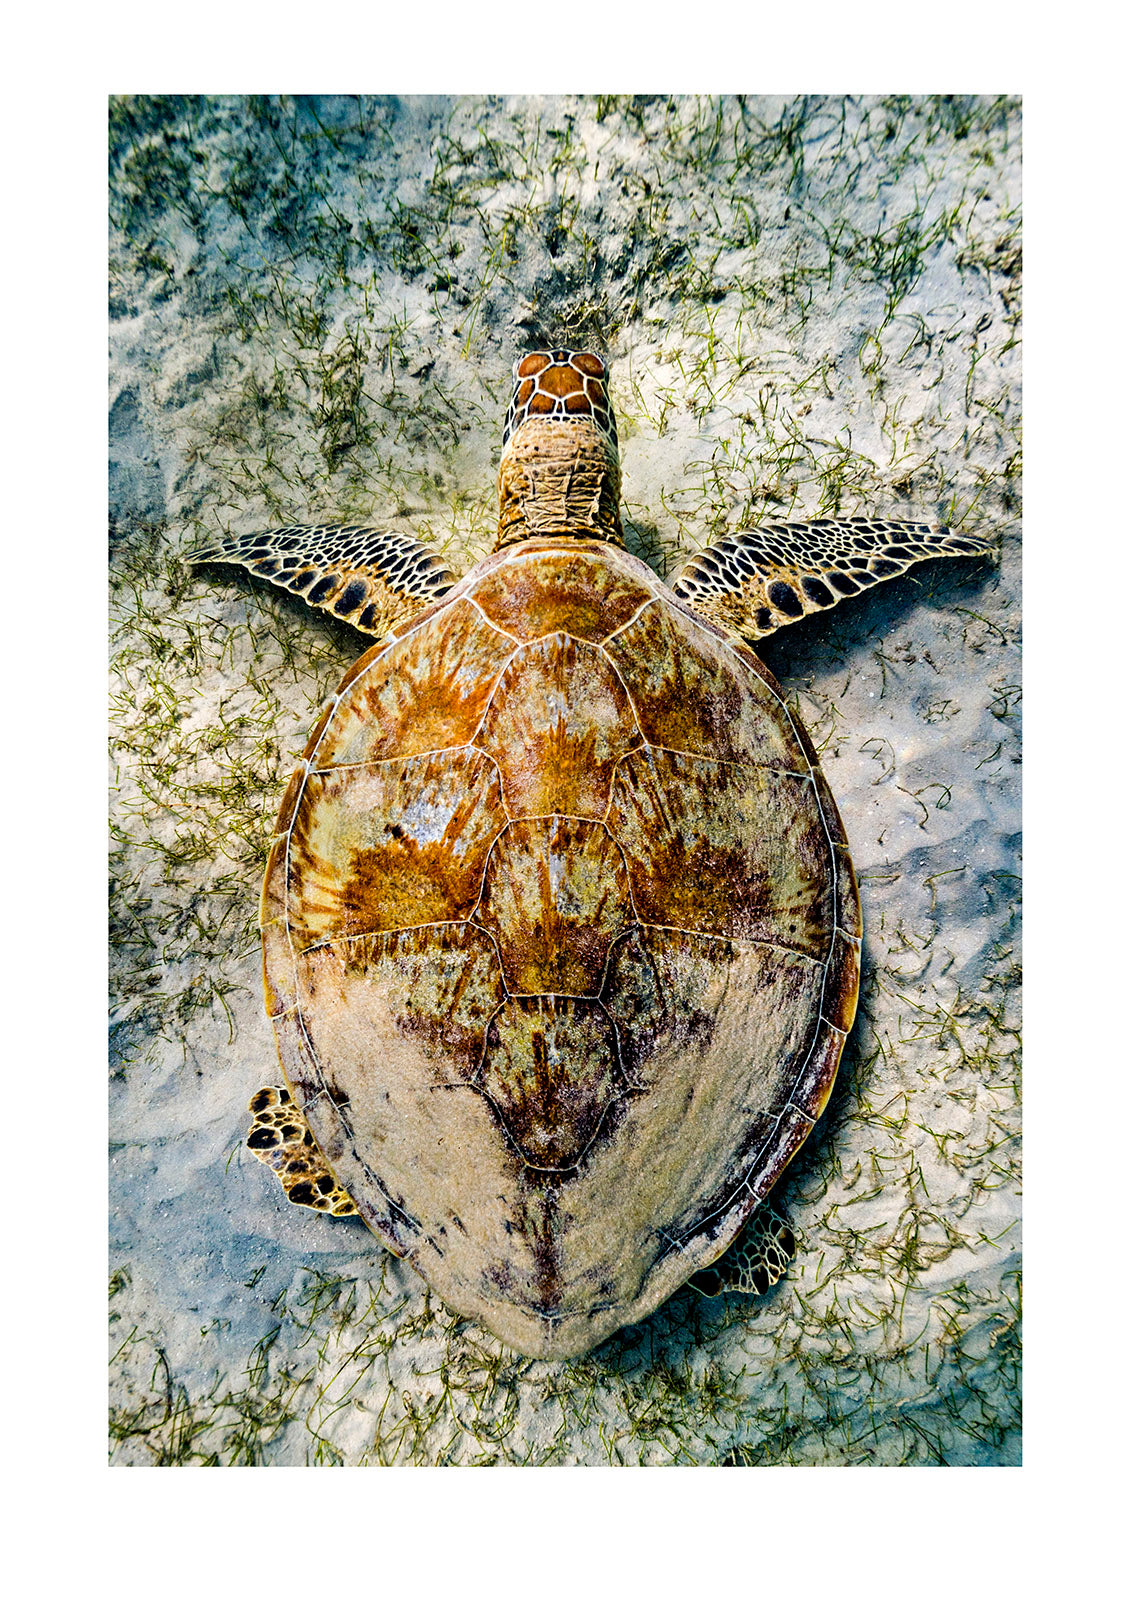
[(549, 587), (713, 847), (392, 845), (428, 692), (694, 699), (440, 986), (555, 896), (551, 1074), (557, 724)]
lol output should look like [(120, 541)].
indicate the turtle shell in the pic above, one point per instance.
[(561, 941)]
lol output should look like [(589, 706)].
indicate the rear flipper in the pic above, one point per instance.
[(756, 1260), (280, 1137), (367, 576), (758, 581)]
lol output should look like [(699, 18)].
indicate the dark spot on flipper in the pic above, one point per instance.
[(761, 1280), (262, 1139), (782, 596), (262, 1098), (351, 596), (763, 617), (302, 1194), (368, 617), (817, 592), (885, 569), (865, 578), (325, 1184), (321, 590), (842, 582), (301, 579)]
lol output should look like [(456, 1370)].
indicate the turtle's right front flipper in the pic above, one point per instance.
[(367, 576)]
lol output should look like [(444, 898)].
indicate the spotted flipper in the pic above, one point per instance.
[(758, 581), (280, 1137), (756, 1259), (367, 576)]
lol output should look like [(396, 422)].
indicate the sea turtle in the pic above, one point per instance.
[(561, 936)]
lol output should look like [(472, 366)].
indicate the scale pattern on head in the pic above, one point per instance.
[(554, 481), (561, 386)]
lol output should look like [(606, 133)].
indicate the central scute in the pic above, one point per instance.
[(551, 938)]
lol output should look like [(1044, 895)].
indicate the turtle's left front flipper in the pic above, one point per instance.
[(758, 581), (756, 1260), (367, 576)]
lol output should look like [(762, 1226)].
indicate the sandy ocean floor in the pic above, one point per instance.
[(811, 306)]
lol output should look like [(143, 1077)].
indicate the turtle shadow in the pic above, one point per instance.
[(291, 609), (832, 638)]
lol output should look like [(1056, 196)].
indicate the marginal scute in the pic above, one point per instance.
[(849, 919), (815, 1082), (838, 1005)]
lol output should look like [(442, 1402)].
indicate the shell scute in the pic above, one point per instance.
[(558, 722), (551, 1074), (546, 588), (555, 896), (715, 847), (436, 988), (394, 844), (426, 692), (691, 698)]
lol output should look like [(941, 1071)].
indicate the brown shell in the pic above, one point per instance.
[(561, 941)]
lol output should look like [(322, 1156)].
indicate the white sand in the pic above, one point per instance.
[(810, 307)]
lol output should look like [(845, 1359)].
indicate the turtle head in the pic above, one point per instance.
[(560, 470)]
